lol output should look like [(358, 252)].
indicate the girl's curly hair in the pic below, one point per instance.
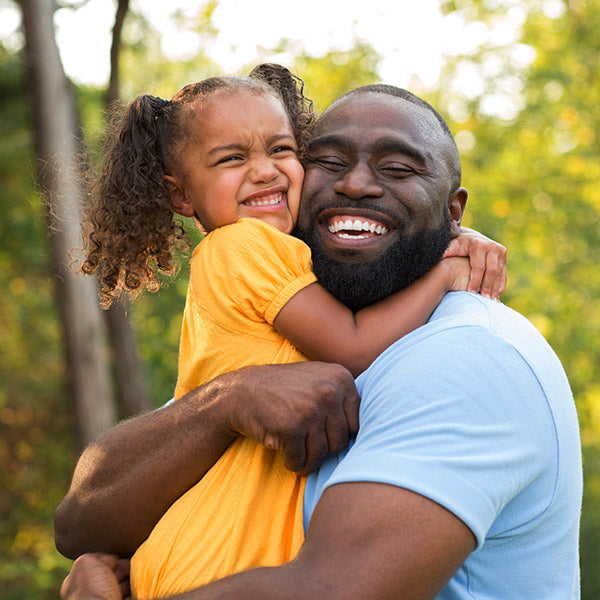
[(130, 231), (290, 89)]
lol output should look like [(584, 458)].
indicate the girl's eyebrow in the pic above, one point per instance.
[(240, 146)]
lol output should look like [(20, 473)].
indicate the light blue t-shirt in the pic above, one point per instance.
[(474, 411)]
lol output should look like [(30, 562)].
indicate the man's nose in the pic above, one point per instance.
[(263, 169), (358, 182)]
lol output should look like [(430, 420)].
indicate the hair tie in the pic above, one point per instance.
[(159, 105)]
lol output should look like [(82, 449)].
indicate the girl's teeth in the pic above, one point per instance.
[(266, 200)]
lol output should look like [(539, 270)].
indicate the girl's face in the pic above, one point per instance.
[(240, 162)]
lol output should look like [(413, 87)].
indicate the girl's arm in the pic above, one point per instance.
[(324, 329)]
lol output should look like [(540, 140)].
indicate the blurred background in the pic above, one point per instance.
[(517, 80)]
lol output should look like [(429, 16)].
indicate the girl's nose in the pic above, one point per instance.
[(263, 169)]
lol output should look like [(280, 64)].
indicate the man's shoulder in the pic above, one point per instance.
[(466, 309), (462, 317), (473, 336)]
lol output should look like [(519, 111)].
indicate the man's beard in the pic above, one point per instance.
[(360, 284)]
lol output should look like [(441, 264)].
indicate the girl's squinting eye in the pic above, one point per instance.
[(229, 158), (283, 148)]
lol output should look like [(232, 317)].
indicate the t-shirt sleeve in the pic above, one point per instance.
[(249, 270), (447, 418)]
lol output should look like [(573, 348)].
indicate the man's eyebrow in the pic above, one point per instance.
[(333, 140), (385, 145), (391, 145)]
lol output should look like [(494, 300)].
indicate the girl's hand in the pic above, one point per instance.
[(97, 577), (487, 259), (456, 273)]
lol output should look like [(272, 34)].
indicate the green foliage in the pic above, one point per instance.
[(532, 173), (145, 69), (36, 430), (330, 76), (157, 319)]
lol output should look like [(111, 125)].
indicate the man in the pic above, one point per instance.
[(465, 477)]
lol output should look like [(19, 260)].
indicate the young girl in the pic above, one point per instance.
[(225, 151)]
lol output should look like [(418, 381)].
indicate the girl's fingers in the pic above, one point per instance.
[(477, 261), (490, 277), (500, 283)]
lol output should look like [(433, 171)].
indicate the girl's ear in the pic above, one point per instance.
[(181, 205), (456, 208)]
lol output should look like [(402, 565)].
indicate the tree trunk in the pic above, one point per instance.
[(129, 373), (58, 170), (113, 90)]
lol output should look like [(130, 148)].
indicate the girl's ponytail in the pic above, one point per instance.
[(130, 219)]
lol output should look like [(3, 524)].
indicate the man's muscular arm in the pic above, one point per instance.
[(125, 480), (365, 541)]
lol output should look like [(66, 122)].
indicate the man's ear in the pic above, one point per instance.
[(456, 208), (181, 205)]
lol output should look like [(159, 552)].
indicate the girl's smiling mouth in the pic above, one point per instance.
[(268, 200)]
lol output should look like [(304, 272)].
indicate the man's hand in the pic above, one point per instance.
[(97, 577), (306, 410), (487, 258)]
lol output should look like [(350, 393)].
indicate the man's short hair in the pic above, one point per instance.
[(392, 90)]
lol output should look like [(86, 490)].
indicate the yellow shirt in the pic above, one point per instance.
[(247, 510)]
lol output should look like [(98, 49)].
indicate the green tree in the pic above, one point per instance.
[(328, 77), (37, 433), (530, 151)]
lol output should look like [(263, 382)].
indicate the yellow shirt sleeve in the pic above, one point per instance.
[(241, 276), (247, 271)]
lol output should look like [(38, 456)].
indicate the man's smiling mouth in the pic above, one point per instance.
[(352, 227)]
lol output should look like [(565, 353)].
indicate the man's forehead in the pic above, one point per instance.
[(375, 113)]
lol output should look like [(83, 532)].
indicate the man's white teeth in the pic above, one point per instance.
[(356, 225), (266, 200), (351, 236)]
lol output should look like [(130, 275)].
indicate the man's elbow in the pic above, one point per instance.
[(76, 533), (65, 530)]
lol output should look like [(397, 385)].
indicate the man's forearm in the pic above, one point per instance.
[(267, 583), (365, 540), (125, 481)]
